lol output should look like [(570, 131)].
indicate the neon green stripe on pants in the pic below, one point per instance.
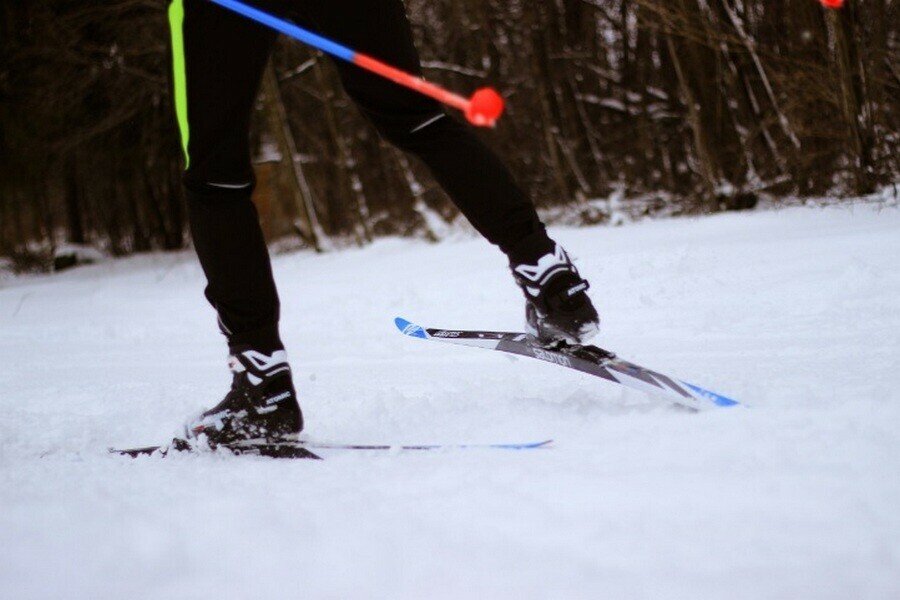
[(176, 25)]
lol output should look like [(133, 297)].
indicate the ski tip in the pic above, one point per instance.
[(713, 397), (525, 446), (410, 329)]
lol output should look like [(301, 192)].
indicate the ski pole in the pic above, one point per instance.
[(482, 109)]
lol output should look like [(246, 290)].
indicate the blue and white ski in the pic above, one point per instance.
[(312, 450), (588, 359)]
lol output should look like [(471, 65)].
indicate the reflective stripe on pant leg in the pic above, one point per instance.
[(176, 26)]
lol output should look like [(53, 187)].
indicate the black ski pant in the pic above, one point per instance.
[(219, 58)]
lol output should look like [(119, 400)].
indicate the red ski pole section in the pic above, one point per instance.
[(483, 109), (416, 83)]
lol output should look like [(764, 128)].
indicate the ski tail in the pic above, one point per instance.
[(278, 450)]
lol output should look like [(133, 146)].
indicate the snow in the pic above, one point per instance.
[(795, 312)]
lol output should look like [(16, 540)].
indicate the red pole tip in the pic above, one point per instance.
[(833, 4), (485, 107)]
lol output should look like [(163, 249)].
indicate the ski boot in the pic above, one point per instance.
[(557, 307), (261, 407)]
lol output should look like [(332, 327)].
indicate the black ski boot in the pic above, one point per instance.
[(261, 407), (557, 307)]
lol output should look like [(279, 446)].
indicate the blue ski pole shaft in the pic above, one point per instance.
[(482, 109), (289, 29)]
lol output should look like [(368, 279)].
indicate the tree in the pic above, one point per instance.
[(702, 103)]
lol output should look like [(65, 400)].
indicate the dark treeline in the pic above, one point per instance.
[(702, 104)]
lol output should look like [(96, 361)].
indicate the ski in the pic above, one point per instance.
[(304, 449), (587, 359)]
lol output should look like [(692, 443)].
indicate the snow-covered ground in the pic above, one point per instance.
[(795, 312)]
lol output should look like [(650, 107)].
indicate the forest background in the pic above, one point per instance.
[(660, 106)]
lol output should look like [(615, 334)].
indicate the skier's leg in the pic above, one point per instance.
[(557, 307), (218, 62), (472, 175)]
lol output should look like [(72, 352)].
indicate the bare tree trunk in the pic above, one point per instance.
[(431, 221), (549, 126), (851, 103), (308, 225), (750, 46), (705, 166), (348, 173), (74, 227)]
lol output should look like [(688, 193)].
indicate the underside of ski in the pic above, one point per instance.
[(588, 359)]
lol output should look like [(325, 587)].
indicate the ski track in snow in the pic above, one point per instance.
[(795, 312)]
